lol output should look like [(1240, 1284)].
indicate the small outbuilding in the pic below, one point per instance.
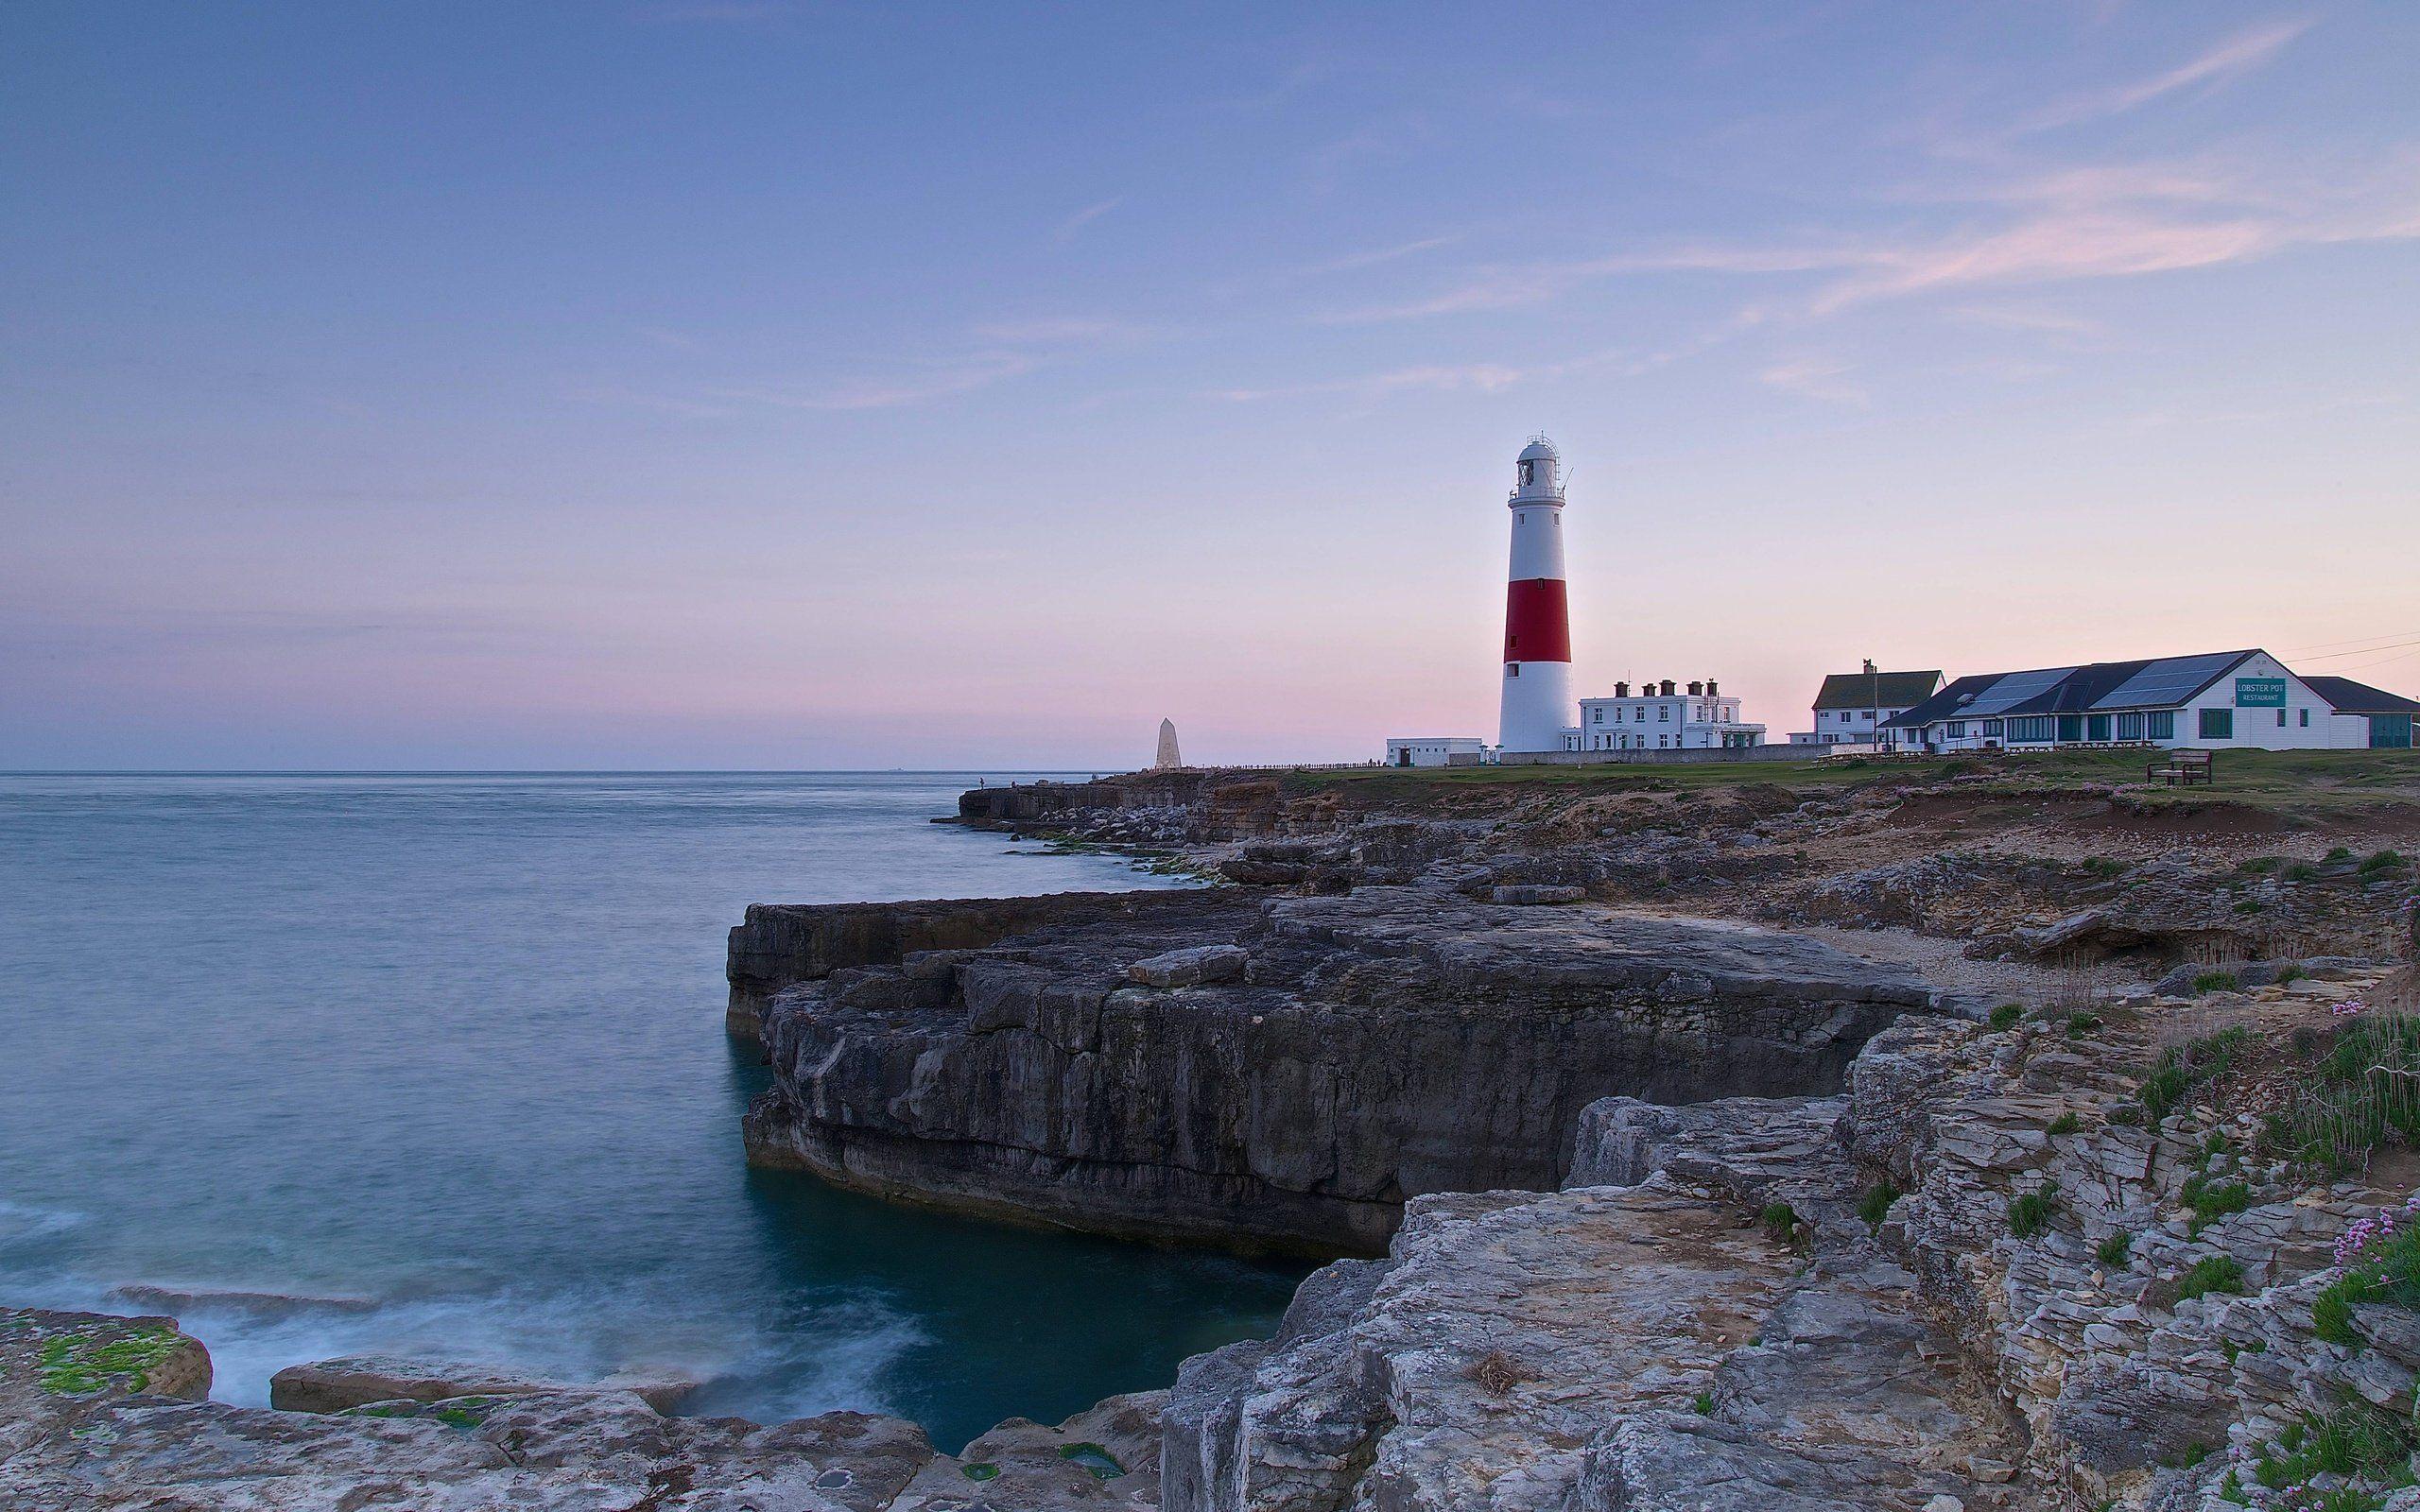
[(2366, 716)]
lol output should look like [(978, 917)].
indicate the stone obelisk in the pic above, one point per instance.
[(1167, 760)]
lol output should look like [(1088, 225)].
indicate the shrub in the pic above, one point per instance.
[(2211, 1273), (2117, 1252), (2216, 982), (2261, 866), (1702, 1403), (2248, 905), (2383, 861), (2386, 1272), (2065, 1122), (2302, 871), (2355, 1440), (2186, 1066), (2213, 1200), (2104, 867), (2031, 1215), (2006, 1014), (1780, 1221), (1876, 1204), (2081, 1024), (2341, 852), (2365, 1087)]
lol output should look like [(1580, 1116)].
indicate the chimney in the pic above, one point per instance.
[(1695, 689), (1668, 687), (1710, 689), (1621, 690), (1869, 665)]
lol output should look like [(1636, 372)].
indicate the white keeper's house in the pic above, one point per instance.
[(1662, 717), (1435, 751), (1852, 707), (2219, 700)]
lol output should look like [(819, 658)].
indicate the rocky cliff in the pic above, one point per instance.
[(1286, 1073)]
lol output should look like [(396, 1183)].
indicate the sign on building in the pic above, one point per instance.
[(2260, 693)]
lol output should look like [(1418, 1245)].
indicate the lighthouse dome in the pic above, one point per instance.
[(1539, 473)]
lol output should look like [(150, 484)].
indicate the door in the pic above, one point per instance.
[(2099, 727), (2391, 731)]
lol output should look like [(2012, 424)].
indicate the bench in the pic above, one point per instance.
[(2183, 768)]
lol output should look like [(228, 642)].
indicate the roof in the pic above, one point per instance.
[(1875, 690), (1539, 448), (2098, 687), (2347, 697)]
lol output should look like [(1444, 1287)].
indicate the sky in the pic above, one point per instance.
[(751, 384)]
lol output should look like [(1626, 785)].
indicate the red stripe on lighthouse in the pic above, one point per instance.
[(1537, 621)]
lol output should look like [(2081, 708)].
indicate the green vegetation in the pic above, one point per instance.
[(2318, 782), (2341, 853), (1780, 1221), (2382, 862), (982, 1470), (2104, 867), (1876, 1204), (2029, 1216), (2188, 1066), (2387, 1272), (2081, 1024), (82, 1363), (2302, 871), (2369, 1448), (2214, 982), (2363, 1089), (2065, 1122), (2248, 905), (2211, 1273), (1702, 1403), (2117, 1252), (2261, 866), (2006, 1014)]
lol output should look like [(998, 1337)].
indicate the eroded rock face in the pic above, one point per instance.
[(1367, 1049), (1648, 1347)]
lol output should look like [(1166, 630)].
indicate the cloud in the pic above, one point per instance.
[(1483, 377), (2099, 221), (2230, 59), (1067, 228), (1814, 379), (979, 371), (1059, 331)]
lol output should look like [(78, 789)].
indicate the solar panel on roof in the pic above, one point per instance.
[(2015, 689), (2172, 679)]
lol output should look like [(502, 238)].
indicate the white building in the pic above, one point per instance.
[(2219, 700), (1662, 717), (1435, 751), (1853, 706)]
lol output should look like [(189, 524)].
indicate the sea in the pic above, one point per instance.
[(434, 1063)]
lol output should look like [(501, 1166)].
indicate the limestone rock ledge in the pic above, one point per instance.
[(102, 1413), (1347, 1055)]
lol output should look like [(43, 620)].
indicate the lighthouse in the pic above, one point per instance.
[(1537, 613)]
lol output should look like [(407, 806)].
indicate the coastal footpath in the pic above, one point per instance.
[(1918, 1137)]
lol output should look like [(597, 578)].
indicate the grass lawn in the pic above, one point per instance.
[(2328, 780)]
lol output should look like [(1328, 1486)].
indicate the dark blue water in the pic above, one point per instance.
[(447, 1051)]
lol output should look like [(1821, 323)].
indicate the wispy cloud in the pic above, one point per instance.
[(978, 370), (1068, 227), (1815, 378), (2236, 56), (1481, 377)]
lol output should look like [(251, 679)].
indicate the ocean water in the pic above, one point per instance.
[(444, 1053)]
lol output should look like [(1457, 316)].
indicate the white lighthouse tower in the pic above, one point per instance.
[(1537, 611)]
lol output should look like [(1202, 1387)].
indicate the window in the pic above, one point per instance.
[(2097, 727), (1995, 729), (2071, 727), (1596, 716), (2162, 724), (1511, 669), (1955, 729), (2218, 724), (2037, 727), (1664, 713), (2281, 719), (2129, 727), (2306, 719)]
